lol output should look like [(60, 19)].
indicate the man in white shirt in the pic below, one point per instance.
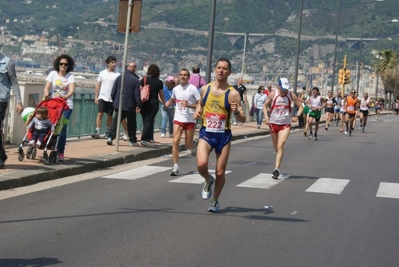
[(186, 96), (105, 81)]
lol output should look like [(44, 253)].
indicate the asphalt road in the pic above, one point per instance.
[(336, 204)]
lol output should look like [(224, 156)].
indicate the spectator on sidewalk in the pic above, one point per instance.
[(131, 104), (196, 79), (8, 80), (102, 97), (242, 90), (168, 112), (259, 101), (150, 108), (61, 84)]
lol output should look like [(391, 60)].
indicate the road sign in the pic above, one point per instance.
[(135, 19)]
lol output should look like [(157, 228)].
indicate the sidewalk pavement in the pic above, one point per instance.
[(88, 154)]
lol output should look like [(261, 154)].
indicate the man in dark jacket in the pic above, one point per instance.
[(131, 104), (8, 81)]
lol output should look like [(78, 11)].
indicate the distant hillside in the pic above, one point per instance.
[(75, 18), (260, 16)]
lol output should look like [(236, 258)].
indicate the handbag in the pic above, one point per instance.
[(252, 111)]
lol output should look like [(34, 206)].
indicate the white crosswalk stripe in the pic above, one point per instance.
[(263, 181), (260, 181), (328, 186), (388, 190), (194, 178), (137, 173)]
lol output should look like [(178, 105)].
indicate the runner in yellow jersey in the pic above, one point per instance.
[(217, 101)]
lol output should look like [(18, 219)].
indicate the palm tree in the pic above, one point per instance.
[(386, 68)]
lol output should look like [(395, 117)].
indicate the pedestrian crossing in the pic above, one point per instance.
[(322, 185)]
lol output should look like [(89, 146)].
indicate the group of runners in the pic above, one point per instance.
[(342, 110), (215, 103)]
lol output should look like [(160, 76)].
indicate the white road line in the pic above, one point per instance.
[(194, 178), (388, 190), (137, 173), (328, 186), (262, 180)]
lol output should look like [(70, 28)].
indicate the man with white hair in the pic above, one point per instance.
[(278, 103)]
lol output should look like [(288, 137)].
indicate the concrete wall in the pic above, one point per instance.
[(14, 127)]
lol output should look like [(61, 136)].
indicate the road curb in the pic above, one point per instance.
[(44, 173)]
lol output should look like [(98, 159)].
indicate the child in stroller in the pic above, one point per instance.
[(41, 125), (55, 108)]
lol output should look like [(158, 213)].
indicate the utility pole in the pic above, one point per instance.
[(335, 49), (210, 43), (243, 56), (298, 48)]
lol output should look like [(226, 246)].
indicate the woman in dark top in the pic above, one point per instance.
[(150, 108)]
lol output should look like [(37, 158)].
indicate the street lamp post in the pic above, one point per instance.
[(335, 49), (210, 43), (298, 48), (243, 56), (360, 55), (396, 80)]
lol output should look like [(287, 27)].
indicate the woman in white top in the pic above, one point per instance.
[(279, 102), (61, 83), (259, 101)]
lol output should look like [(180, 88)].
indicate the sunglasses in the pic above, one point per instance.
[(64, 64)]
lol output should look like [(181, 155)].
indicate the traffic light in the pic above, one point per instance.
[(347, 79), (341, 75)]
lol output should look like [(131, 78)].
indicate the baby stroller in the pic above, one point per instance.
[(55, 107)]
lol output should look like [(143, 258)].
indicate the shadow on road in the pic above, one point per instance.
[(36, 262)]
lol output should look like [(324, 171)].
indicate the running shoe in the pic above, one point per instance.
[(234, 123), (275, 173), (350, 133), (305, 133), (96, 134), (38, 144), (360, 127), (194, 149), (162, 135), (106, 135), (109, 141), (207, 189), (326, 128), (310, 136), (214, 206), (363, 130), (315, 137), (32, 143), (125, 137), (61, 157), (346, 131), (175, 171)]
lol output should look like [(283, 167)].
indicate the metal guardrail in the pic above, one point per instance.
[(83, 119)]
